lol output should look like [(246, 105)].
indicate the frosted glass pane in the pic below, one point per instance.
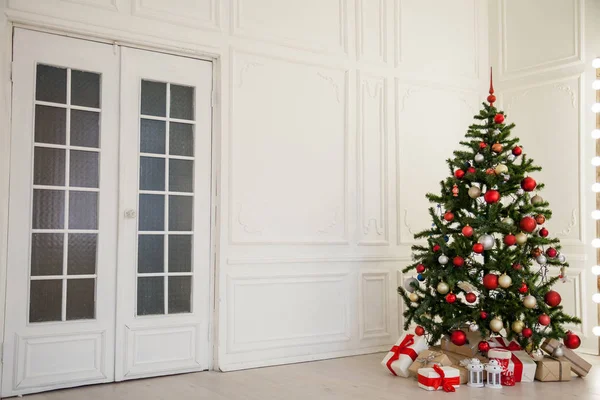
[(151, 295), (80, 298), (51, 84), (47, 253), (50, 125), (182, 102), (45, 300), (83, 210), (181, 139), (180, 213), (85, 128), (154, 98), (180, 253), (152, 136), (84, 170), (181, 176), (81, 253), (152, 212), (85, 89), (49, 166), (180, 294), (151, 253), (152, 173), (48, 209)]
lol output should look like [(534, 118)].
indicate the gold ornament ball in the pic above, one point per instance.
[(497, 148), (529, 301), (501, 169), (474, 192), (521, 238), (518, 326), (496, 325), (413, 297), (443, 288), (504, 281), (537, 199)]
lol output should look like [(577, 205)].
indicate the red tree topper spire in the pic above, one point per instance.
[(491, 98)]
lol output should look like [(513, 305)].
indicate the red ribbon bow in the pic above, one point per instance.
[(402, 348), (446, 383), (498, 343)]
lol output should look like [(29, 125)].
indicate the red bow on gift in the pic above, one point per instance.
[(446, 383), (402, 348)]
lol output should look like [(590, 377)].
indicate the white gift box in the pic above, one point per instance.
[(429, 379), (403, 354), (520, 363)]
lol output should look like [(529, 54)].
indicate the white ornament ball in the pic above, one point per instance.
[(501, 169), (520, 192), (561, 259), (511, 157), (496, 325), (508, 221), (443, 288), (443, 259), (558, 352), (408, 286), (413, 297), (518, 326), (479, 158), (537, 199), (521, 238), (473, 327), (541, 259), (529, 301), (487, 241), (474, 192), (504, 281)]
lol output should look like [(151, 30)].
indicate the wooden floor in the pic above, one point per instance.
[(360, 378)]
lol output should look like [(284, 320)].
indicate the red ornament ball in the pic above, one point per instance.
[(499, 118), (517, 266), (523, 289), (436, 248), (420, 268), (448, 216), (528, 184), (527, 332), (458, 261), (572, 341), (490, 281), (551, 252), (552, 298), (492, 196), (483, 315), (544, 320), (419, 331), (528, 224), (510, 240), (483, 346), (467, 231), (450, 298), (459, 338), (459, 173), (478, 248), (517, 151), (471, 170), (544, 232), (482, 145), (491, 98), (471, 297)]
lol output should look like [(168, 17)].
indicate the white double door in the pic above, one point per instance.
[(109, 221)]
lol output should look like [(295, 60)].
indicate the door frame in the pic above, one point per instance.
[(128, 40)]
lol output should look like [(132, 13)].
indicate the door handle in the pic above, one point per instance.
[(130, 214)]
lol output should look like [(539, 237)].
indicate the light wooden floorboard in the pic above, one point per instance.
[(351, 378)]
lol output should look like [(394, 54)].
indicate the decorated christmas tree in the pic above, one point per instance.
[(487, 254)]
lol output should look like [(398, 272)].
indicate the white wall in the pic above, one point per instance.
[(541, 51), (335, 118)]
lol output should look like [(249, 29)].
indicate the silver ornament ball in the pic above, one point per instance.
[(506, 178), (487, 241), (511, 158), (541, 259), (479, 158), (537, 199), (520, 192), (473, 327), (558, 352), (561, 259), (408, 286), (443, 259), (508, 221), (474, 192)]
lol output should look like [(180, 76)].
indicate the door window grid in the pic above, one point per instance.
[(166, 274), (66, 280)]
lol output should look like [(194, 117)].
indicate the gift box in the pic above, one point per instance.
[(468, 350), (445, 378), (426, 359), (503, 357), (520, 363), (460, 362), (403, 354), (578, 364), (552, 369)]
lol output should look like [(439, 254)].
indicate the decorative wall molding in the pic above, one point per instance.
[(332, 224), (110, 5), (333, 84), (569, 91), (381, 328), (313, 260), (567, 230), (165, 13), (382, 45), (244, 225)]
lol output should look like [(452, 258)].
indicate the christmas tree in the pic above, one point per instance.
[(488, 253)]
